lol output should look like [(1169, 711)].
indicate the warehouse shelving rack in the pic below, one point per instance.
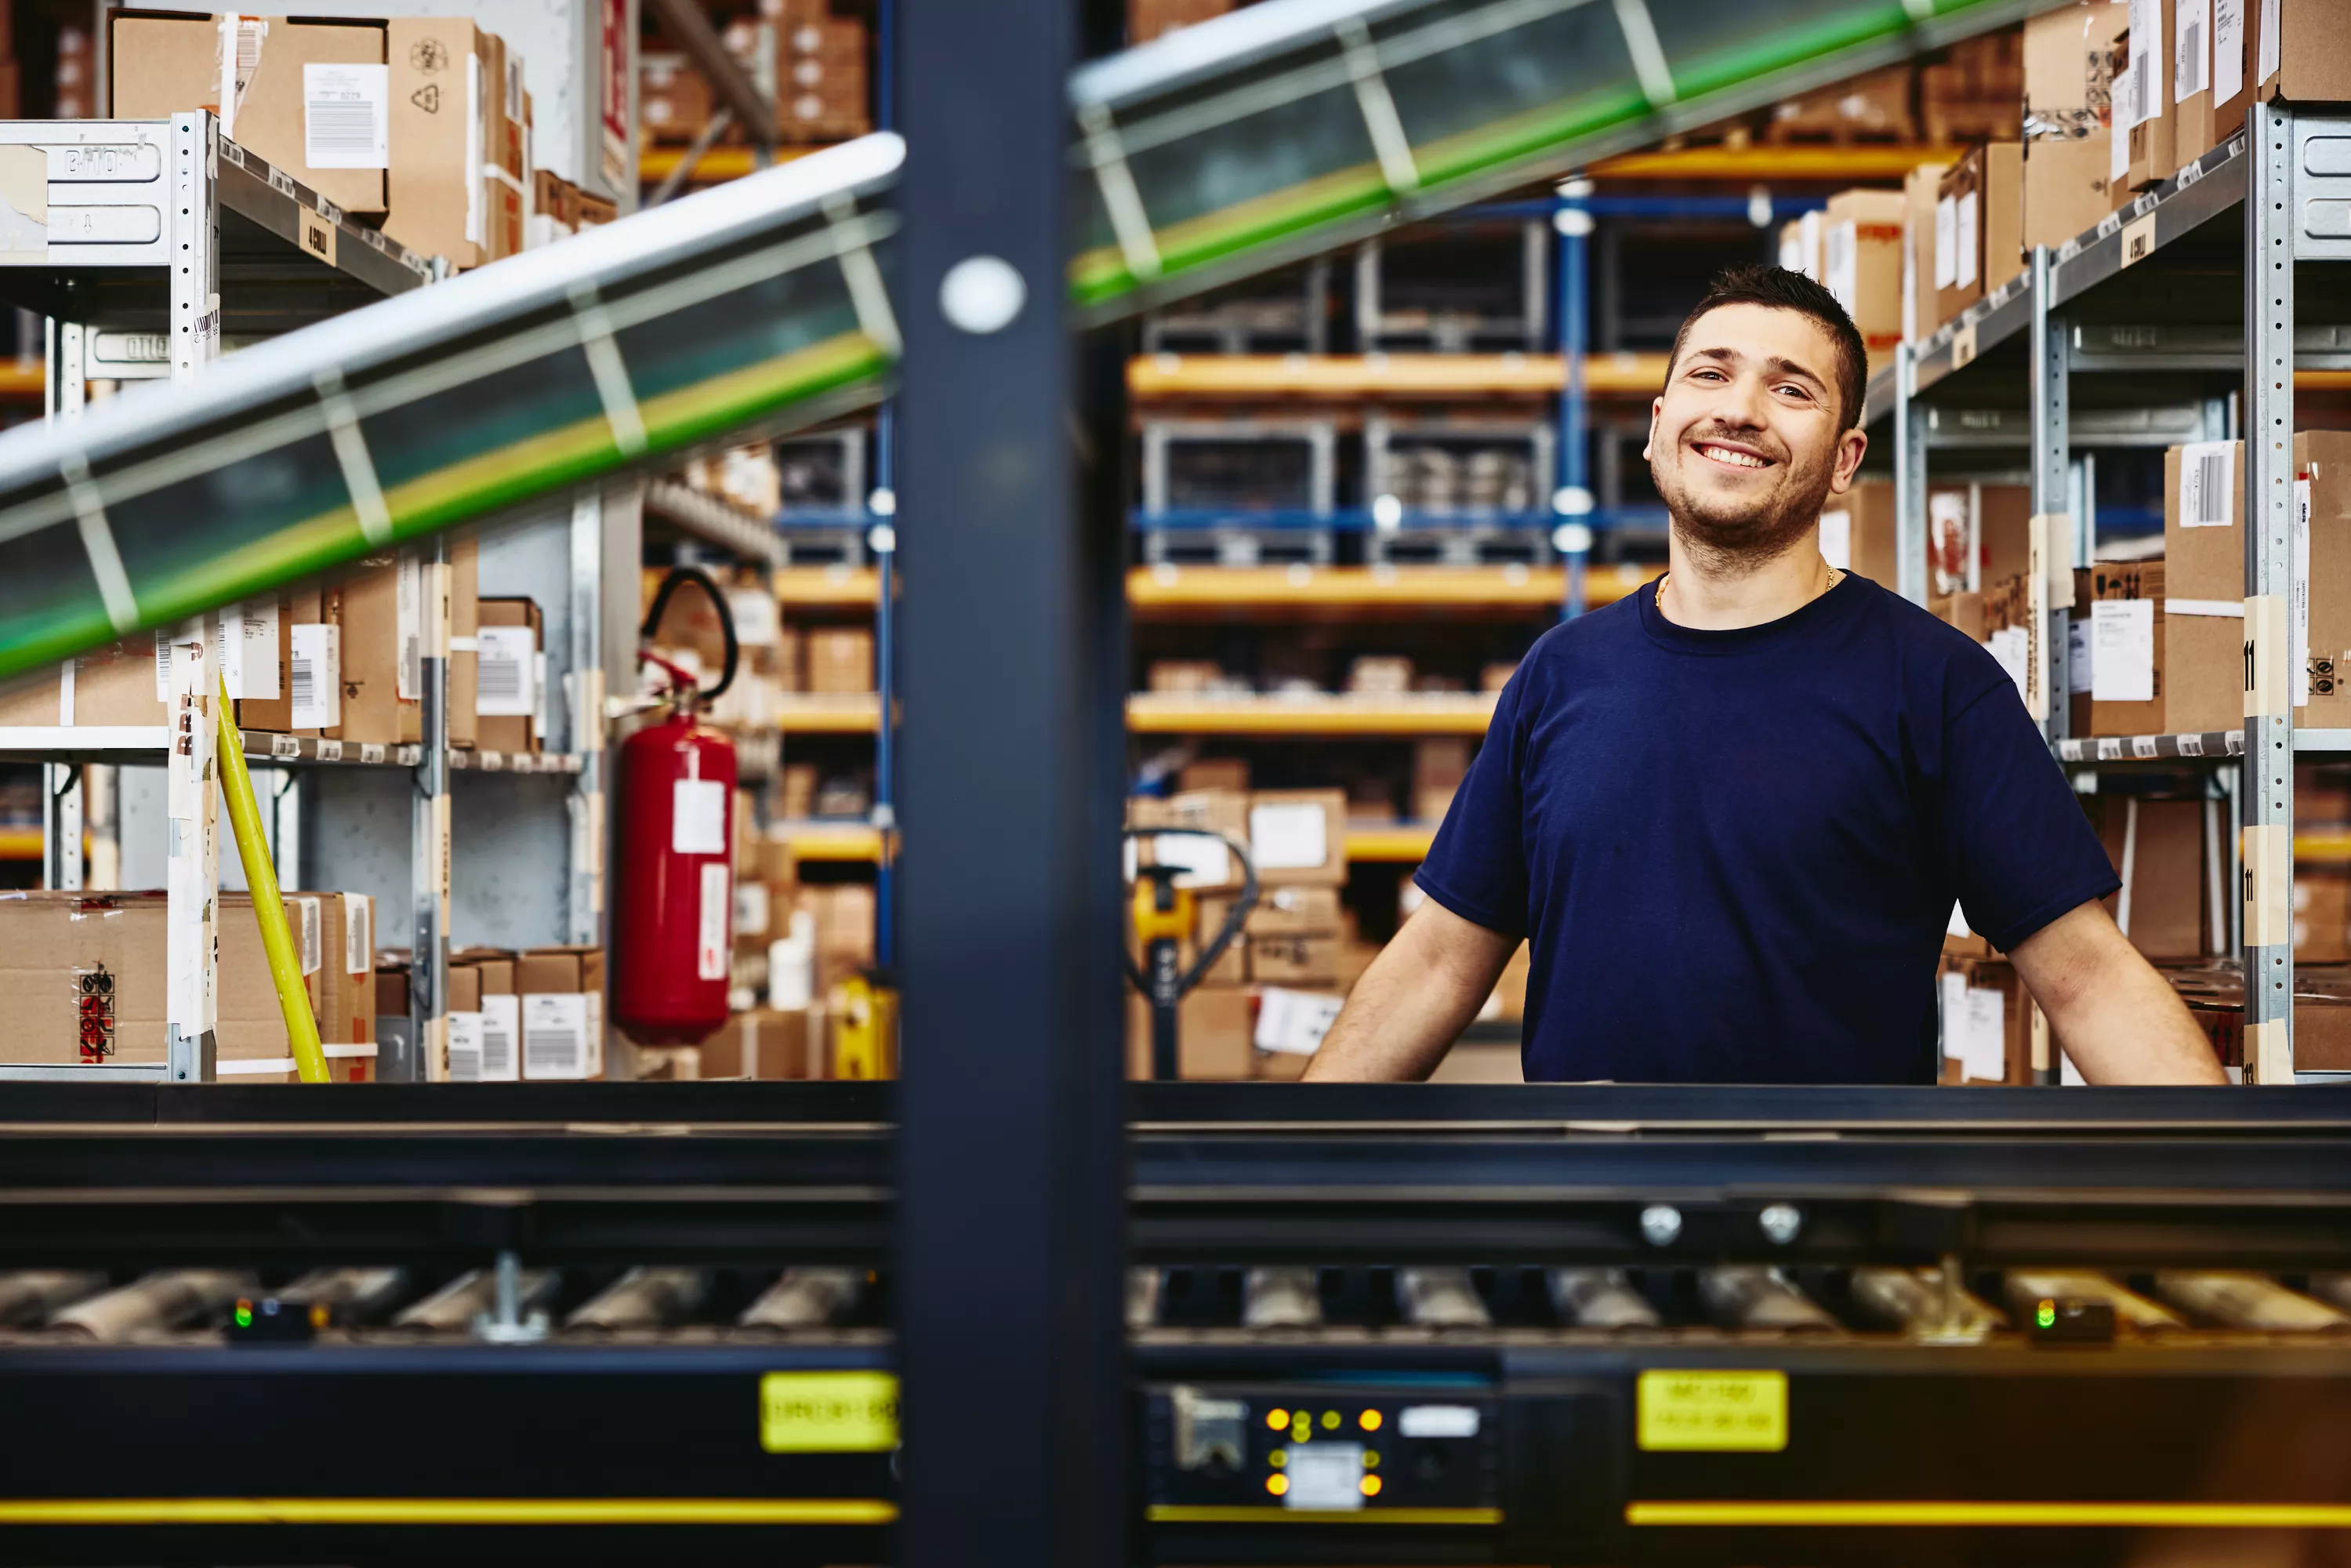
[(2116, 339), (167, 242)]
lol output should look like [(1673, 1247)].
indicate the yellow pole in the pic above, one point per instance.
[(268, 903)]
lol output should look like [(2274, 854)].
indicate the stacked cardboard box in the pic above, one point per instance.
[(1973, 94), (1978, 226), (1987, 1022), (1870, 109), (2069, 120), (2167, 853), (75, 81), (1861, 264), (1438, 767), (1149, 19), (484, 1017), (2128, 638), (562, 1008), (1920, 208), (1857, 532), (822, 93), (674, 100)]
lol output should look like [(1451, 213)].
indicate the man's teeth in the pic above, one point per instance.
[(1725, 454)]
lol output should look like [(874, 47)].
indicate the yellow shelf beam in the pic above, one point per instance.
[(21, 383), (1388, 376), (717, 165), (824, 713), (1404, 843), (1847, 165), (1161, 713), (1247, 588), (815, 587)]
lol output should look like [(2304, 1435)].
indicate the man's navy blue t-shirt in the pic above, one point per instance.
[(1734, 853)]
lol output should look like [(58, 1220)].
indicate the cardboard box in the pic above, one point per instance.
[(347, 983), (2128, 648), (1860, 251), (1438, 767), (253, 1044), (1295, 911), (1212, 868), (2322, 917), (508, 697), (562, 991), (117, 682), (840, 658), (1857, 532), (2069, 71), (2307, 63), (765, 1043), (1964, 611), (1919, 189), (1987, 1023), (2067, 191), (379, 606), (1299, 836), (2322, 462), (1212, 1035), (2204, 577), (1214, 773), (1998, 518), (464, 655), (2158, 849), (325, 126), (482, 981), (1294, 959), (1981, 202), (443, 69), (2154, 119)]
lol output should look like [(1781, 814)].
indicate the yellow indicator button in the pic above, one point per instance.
[(1277, 1485), (1370, 1485), (1278, 1459), (1276, 1419), (1370, 1458), (1713, 1412), (1369, 1420), (1330, 1420)]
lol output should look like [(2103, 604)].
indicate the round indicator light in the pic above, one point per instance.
[(245, 1315), (1303, 1430), (1276, 1419), (1330, 1420), (1370, 1458), (2045, 1314), (1370, 1485), (1278, 1459), (1369, 1420), (1277, 1485)]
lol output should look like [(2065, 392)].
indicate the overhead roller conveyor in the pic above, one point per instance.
[(1227, 149)]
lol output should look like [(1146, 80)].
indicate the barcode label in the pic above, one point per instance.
[(358, 933), (2141, 109), (285, 746), (346, 116), (371, 751), (2206, 478), (318, 676), (2187, 70), (2110, 749), (501, 1022), (503, 683), (408, 600), (2142, 746), (465, 1047), (2191, 746), (554, 1035)]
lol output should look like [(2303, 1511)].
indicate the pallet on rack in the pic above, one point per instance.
[(1463, 542), (1234, 540)]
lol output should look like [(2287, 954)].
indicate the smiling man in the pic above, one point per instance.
[(1730, 814)]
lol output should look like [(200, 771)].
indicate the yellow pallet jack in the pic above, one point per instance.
[(1165, 915)]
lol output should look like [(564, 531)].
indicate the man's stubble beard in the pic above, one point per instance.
[(1749, 540)]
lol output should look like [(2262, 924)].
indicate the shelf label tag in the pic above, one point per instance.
[(1963, 346), (1713, 1412), (2267, 849), (2139, 240), (828, 1412), (2266, 693)]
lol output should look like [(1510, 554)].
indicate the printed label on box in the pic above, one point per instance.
[(2228, 51), (2122, 634), (318, 676), (409, 595), (1983, 1033), (501, 1023), (1946, 242), (1290, 837), (555, 1035), (502, 682), (1965, 241), (1294, 1022), (2079, 659), (346, 116), (358, 933), (2207, 479), (465, 1047), (2191, 56)]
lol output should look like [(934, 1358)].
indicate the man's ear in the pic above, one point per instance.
[(1657, 409), (1851, 446)]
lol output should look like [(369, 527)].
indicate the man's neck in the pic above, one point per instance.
[(1708, 593)]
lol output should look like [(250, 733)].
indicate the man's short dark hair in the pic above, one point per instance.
[(1781, 289)]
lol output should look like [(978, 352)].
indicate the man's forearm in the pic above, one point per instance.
[(2118, 1020), (1413, 1001)]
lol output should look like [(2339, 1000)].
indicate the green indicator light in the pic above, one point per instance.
[(2046, 1315), (243, 1315)]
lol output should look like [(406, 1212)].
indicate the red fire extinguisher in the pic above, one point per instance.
[(674, 915)]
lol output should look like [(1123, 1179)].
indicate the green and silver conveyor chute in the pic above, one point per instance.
[(1226, 149)]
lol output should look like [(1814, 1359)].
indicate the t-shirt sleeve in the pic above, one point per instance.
[(2016, 843), (1477, 867)]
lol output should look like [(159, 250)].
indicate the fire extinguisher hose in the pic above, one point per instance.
[(702, 580), (269, 905)]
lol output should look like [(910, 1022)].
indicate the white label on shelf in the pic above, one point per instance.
[(162, 667), (711, 944), (1963, 346), (2123, 640), (2271, 24), (1438, 1421), (1964, 241), (318, 678), (2110, 749), (501, 1026), (330, 751), (502, 680), (2011, 647), (285, 746), (1294, 1022), (2301, 592), (1842, 264), (1836, 540), (697, 817), (2191, 58), (2207, 477), (490, 761), (2191, 746), (1293, 837), (2143, 746), (1946, 242), (751, 909), (409, 595), (756, 622), (245, 644), (371, 751), (465, 1047), (358, 933), (346, 116), (1982, 1033), (2079, 659), (555, 1035)]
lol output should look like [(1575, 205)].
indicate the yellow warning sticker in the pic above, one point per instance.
[(828, 1412), (1713, 1412)]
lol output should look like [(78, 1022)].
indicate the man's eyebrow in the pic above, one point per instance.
[(1785, 367)]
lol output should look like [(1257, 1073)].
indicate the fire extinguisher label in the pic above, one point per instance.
[(697, 817), (718, 898)]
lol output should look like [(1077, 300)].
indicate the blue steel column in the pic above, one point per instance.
[(883, 539), (1011, 1190), (1572, 503)]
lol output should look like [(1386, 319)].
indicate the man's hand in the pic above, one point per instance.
[(2114, 1015), (1413, 1001)]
